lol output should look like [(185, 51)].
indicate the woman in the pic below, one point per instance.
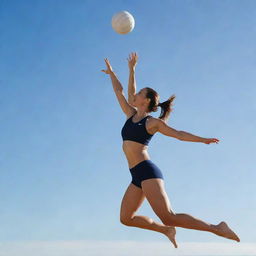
[(147, 179)]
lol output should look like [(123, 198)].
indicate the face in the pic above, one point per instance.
[(140, 98)]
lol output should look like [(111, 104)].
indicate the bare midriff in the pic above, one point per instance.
[(135, 152)]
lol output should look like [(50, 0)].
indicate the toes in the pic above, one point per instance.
[(174, 243), (237, 238)]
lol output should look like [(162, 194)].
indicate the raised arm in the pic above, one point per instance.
[(163, 128), (118, 89), (132, 61)]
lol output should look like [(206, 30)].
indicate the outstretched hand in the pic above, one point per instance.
[(109, 68), (132, 60), (211, 140)]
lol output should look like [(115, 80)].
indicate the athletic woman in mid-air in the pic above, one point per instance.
[(147, 178)]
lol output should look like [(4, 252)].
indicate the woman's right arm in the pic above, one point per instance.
[(118, 89)]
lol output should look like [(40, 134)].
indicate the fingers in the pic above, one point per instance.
[(136, 56), (213, 140), (132, 56), (107, 61), (109, 68), (108, 64)]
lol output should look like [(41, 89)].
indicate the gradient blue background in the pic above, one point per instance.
[(62, 170)]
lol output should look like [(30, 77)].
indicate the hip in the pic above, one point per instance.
[(146, 167)]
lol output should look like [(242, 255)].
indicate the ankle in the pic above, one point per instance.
[(167, 230), (214, 228)]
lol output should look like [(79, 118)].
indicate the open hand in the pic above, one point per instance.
[(132, 60), (211, 140), (109, 68)]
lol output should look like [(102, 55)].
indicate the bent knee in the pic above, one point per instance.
[(168, 219), (126, 221)]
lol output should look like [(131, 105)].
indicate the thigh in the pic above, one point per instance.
[(157, 197), (131, 201)]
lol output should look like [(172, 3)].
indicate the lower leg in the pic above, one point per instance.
[(147, 223), (187, 221)]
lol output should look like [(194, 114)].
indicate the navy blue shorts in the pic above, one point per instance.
[(143, 171)]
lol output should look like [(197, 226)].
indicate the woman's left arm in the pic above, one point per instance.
[(163, 128), (132, 61)]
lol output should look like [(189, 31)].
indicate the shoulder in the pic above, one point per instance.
[(155, 121), (154, 124)]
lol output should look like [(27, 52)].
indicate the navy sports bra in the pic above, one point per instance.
[(136, 131)]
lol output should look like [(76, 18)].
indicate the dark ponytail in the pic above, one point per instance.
[(166, 106)]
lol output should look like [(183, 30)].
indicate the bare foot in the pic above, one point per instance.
[(224, 231), (170, 233)]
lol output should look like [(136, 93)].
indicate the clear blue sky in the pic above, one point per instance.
[(62, 170)]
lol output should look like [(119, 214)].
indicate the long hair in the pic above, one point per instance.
[(166, 106)]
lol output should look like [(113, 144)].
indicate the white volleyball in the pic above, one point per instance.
[(123, 22)]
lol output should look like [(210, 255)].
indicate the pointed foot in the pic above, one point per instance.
[(224, 231), (170, 233)]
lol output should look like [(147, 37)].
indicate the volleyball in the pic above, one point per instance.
[(123, 22)]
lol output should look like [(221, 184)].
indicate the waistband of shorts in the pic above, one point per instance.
[(140, 164)]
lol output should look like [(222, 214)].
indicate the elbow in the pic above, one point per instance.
[(119, 91)]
